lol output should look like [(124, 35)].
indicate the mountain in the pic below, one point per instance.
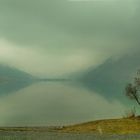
[(12, 79), (111, 77)]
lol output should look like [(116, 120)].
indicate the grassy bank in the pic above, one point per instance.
[(110, 126)]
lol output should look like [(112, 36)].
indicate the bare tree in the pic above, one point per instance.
[(132, 90)]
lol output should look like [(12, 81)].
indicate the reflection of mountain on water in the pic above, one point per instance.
[(12, 79), (8, 87)]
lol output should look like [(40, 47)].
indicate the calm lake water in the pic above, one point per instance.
[(55, 103)]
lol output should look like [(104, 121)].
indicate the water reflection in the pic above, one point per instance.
[(55, 103), (13, 86)]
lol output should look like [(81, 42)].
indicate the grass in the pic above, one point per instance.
[(62, 136), (111, 126), (111, 129)]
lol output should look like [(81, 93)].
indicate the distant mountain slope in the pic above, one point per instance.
[(12, 79), (110, 78), (13, 72)]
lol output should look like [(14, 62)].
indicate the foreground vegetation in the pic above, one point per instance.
[(111, 126), (111, 129), (62, 136), (127, 126)]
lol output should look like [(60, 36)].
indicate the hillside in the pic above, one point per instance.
[(13, 73), (110, 126), (12, 79), (110, 78)]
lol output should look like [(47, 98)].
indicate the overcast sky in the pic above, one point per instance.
[(58, 37)]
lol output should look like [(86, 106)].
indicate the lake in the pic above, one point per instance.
[(55, 103)]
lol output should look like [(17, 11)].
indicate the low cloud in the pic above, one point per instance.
[(38, 63), (45, 62)]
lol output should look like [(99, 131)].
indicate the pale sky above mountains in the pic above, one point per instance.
[(57, 37)]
